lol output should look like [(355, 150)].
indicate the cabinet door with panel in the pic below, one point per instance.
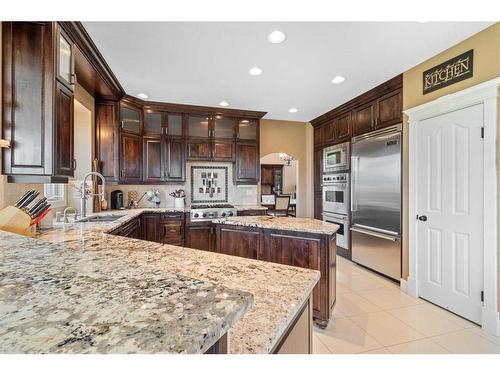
[(107, 144), (65, 60), (130, 119), (224, 128), (199, 150), (318, 169), (64, 162), (198, 126), (246, 168), (248, 130), (343, 125), (390, 109), (151, 227), (238, 242), (152, 162), (318, 136), (266, 174), (175, 160), (153, 123), (329, 132), (223, 150), (130, 158), (364, 119), (200, 236)]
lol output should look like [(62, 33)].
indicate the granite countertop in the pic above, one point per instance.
[(282, 223), (58, 299), (278, 291), (251, 208)]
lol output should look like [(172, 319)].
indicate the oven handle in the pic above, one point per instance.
[(354, 170)]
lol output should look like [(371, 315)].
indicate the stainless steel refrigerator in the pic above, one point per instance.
[(376, 201)]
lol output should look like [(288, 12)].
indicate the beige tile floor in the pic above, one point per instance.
[(372, 316)]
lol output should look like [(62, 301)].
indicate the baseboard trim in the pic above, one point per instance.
[(409, 287), (491, 321)]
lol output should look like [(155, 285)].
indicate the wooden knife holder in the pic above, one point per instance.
[(14, 220)]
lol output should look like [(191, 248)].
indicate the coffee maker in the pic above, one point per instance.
[(117, 200)]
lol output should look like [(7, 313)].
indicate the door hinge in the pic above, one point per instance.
[(482, 132), (482, 295)]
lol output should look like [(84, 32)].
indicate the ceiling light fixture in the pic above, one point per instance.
[(276, 37), (224, 104), (142, 95), (338, 79), (255, 71), (293, 110)]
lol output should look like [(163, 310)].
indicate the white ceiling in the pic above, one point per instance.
[(204, 63)]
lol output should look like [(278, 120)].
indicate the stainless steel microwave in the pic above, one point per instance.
[(336, 158)]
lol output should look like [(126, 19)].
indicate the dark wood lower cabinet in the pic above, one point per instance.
[(200, 236), (238, 241), (132, 229), (151, 227), (318, 205), (299, 249)]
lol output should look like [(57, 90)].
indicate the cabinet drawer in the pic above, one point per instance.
[(172, 233), (172, 216)]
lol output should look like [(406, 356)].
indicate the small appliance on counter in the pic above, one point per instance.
[(117, 200)]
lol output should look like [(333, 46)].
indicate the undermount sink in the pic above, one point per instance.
[(100, 218)]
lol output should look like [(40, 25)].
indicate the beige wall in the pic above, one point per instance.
[(486, 45), (293, 138)]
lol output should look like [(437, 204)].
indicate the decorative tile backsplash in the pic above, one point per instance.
[(209, 184)]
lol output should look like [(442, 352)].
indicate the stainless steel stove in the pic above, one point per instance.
[(206, 212)]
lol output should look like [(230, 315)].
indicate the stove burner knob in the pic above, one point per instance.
[(230, 214), (223, 214), (196, 215), (204, 215)]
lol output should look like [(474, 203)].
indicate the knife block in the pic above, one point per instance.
[(16, 221)]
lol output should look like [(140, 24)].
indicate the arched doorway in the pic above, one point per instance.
[(279, 176)]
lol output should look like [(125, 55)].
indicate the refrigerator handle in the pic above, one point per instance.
[(354, 170), (379, 235)]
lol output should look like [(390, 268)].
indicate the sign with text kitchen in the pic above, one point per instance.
[(454, 70)]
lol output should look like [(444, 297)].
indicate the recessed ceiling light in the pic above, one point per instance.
[(293, 110), (224, 103), (276, 37), (255, 71), (338, 79), (142, 95)]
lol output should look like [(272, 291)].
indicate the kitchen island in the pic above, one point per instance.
[(280, 294), (299, 242)]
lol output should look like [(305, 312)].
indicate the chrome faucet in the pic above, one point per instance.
[(85, 196), (65, 216)]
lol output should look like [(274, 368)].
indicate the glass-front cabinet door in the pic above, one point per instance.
[(174, 125), (199, 126), (153, 124), (65, 60), (130, 119), (223, 127), (247, 129)]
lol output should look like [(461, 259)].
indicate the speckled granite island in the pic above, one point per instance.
[(299, 242), (78, 289)]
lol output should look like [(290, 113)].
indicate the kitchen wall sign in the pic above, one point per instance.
[(452, 71)]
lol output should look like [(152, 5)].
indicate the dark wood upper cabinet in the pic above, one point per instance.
[(198, 126), (65, 59), (153, 164), (37, 108), (318, 136), (343, 126), (318, 169), (364, 119), (130, 118), (329, 132), (266, 174), (224, 127), (246, 169), (130, 158), (107, 144), (64, 161), (390, 109), (175, 159), (175, 126), (248, 130), (223, 150), (153, 123), (199, 150)]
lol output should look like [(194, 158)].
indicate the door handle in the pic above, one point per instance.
[(422, 218)]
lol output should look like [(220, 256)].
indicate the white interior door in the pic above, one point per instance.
[(450, 197)]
